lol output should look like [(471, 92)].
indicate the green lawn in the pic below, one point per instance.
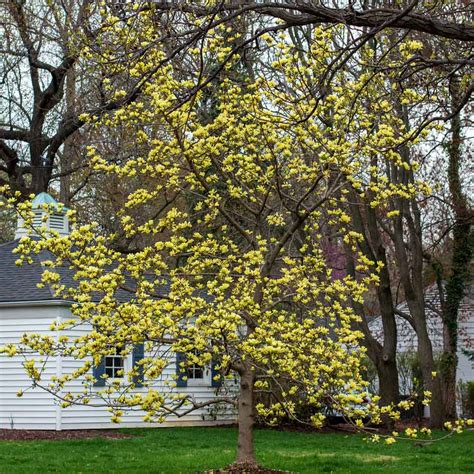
[(176, 450)]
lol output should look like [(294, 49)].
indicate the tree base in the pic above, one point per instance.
[(245, 468)]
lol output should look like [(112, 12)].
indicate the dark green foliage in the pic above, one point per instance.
[(469, 354), (466, 398)]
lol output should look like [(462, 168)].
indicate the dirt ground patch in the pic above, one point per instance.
[(239, 468), (35, 435)]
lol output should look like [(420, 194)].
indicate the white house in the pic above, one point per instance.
[(25, 308)]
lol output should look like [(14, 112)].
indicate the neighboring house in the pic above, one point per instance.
[(26, 308), (407, 339)]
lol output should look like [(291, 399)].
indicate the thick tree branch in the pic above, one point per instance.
[(298, 13)]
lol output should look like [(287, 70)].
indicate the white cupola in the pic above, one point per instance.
[(42, 205)]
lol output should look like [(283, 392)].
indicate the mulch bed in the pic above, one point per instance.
[(345, 428), (239, 468), (412, 423), (35, 435)]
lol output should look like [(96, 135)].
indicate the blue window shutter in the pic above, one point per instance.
[(214, 373), (181, 372), (97, 372), (137, 355)]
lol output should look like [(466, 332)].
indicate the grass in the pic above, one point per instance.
[(187, 450)]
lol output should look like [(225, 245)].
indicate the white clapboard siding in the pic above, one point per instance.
[(37, 409), (80, 416)]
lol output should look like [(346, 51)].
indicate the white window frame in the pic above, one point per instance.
[(127, 363), (205, 381)]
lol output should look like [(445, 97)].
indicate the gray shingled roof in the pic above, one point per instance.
[(18, 283)]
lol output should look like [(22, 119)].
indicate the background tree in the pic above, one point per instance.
[(46, 87), (450, 249), (37, 59)]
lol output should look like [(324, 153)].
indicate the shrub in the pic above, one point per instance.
[(466, 398)]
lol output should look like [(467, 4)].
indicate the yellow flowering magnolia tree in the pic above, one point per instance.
[(255, 188)]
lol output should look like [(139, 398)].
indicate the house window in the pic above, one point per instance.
[(195, 372), (114, 364), (198, 374)]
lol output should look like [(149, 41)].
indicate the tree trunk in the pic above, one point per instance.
[(246, 419), (383, 355), (410, 267), (39, 182), (431, 382), (448, 375), (414, 291), (388, 380), (463, 243), (387, 369), (66, 157)]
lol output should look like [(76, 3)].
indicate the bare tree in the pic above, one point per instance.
[(46, 87), (451, 252)]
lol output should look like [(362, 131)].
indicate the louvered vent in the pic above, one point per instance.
[(57, 219), (56, 222), (37, 221)]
